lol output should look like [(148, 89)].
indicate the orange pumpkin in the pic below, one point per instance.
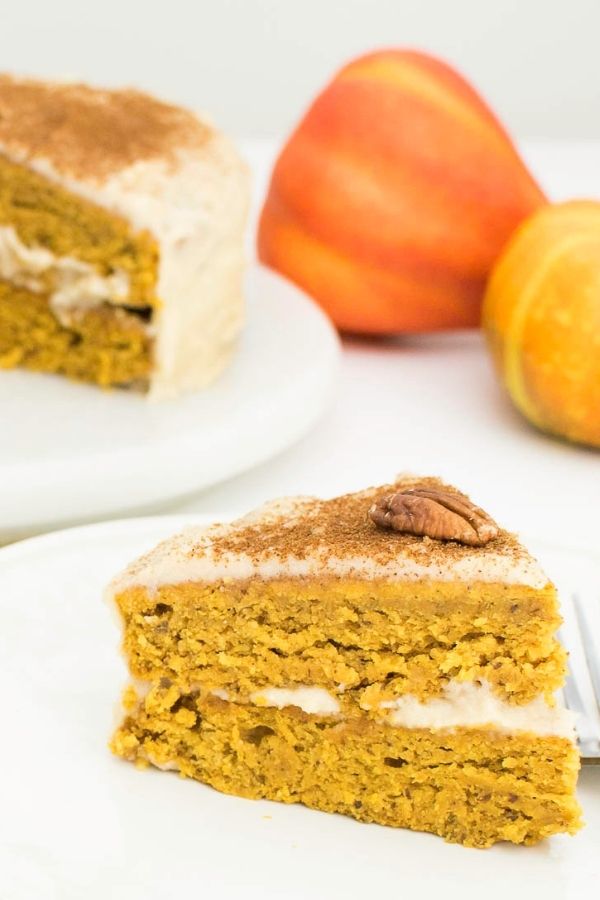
[(541, 316), (393, 197)]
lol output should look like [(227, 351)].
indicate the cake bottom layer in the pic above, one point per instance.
[(106, 345), (471, 786)]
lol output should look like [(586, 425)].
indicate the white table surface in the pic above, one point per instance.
[(431, 405)]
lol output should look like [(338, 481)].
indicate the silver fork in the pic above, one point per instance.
[(582, 687)]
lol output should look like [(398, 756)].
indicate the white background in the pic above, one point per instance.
[(254, 64)]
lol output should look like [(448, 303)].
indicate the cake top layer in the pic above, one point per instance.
[(90, 134), (307, 537)]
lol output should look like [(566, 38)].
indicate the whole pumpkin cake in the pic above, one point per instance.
[(389, 655), (121, 238)]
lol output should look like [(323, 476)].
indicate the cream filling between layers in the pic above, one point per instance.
[(196, 209), (469, 704), (313, 700), (75, 285)]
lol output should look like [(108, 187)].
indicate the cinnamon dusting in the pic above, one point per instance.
[(340, 528), (89, 133)]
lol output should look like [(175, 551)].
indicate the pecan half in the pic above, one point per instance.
[(438, 514)]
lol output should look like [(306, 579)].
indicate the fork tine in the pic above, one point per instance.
[(591, 655), (570, 689), (588, 739)]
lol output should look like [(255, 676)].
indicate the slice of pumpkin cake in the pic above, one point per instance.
[(389, 654), (121, 238)]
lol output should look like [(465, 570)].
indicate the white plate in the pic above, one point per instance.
[(70, 451), (76, 822)]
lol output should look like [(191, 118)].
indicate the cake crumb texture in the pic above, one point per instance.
[(44, 214), (106, 345), (379, 640), (471, 786)]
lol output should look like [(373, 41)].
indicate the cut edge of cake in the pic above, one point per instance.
[(265, 561), (163, 172)]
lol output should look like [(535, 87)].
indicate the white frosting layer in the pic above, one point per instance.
[(73, 284), (313, 700), (471, 704), (462, 705), (196, 210), (189, 556)]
